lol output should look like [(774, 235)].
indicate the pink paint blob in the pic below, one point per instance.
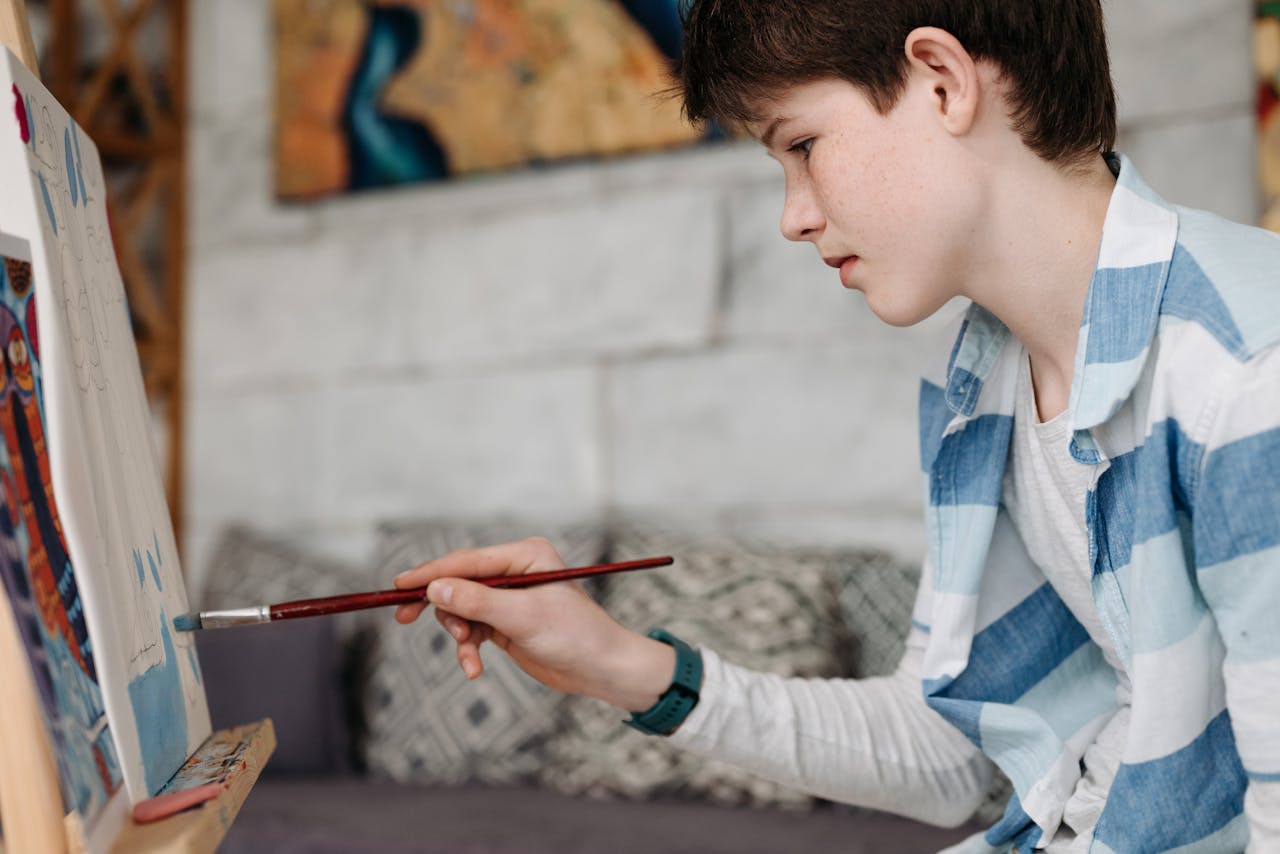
[(20, 110)]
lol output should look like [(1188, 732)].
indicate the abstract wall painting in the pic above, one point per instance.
[(372, 93), (35, 567), (1267, 63), (101, 459)]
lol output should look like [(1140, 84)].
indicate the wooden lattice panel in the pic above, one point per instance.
[(128, 91)]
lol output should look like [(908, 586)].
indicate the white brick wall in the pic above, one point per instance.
[(630, 337)]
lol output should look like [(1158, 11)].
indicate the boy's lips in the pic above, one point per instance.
[(843, 263)]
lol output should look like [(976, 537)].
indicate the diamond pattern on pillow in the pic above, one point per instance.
[(877, 593), (426, 723), (768, 609)]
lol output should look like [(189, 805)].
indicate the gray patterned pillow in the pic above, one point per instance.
[(768, 609), (251, 568), (877, 592), (426, 723)]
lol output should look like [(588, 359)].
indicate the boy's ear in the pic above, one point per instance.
[(937, 59)]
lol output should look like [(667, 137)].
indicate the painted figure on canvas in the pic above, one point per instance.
[(379, 92), (37, 571)]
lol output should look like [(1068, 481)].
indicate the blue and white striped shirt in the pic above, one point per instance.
[(1175, 401)]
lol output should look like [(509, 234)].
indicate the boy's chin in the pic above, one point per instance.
[(900, 312)]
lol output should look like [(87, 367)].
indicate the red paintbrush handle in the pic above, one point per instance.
[(345, 602), (382, 598)]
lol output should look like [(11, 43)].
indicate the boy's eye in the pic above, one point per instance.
[(803, 147)]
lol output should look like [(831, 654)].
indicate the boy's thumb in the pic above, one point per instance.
[(467, 599)]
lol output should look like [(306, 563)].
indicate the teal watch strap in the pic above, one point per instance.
[(677, 701)]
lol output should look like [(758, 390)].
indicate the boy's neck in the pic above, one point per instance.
[(1038, 253)]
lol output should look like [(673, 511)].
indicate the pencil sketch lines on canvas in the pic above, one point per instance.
[(37, 571)]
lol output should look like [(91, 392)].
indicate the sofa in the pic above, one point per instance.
[(384, 746)]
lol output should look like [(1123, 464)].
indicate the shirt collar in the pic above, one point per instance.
[(1120, 315)]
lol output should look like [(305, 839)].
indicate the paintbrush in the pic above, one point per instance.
[(382, 598)]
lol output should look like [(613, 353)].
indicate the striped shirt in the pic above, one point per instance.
[(1175, 403)]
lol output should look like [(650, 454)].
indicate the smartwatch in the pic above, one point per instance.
[(678, 700)]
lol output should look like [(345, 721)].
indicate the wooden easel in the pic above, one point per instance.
[(30, 798)]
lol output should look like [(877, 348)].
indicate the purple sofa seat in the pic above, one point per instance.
[(351, 815)]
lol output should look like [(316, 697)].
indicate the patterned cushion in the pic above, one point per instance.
[(251, 568), (877, 592), (426, 723), (767, 609), (309, 707)]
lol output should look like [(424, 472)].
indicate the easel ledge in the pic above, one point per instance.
[(201, 829), (30, 798)]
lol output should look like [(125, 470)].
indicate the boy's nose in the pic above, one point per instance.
[(801, 219)]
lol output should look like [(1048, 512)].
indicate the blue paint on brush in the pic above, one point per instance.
[(186, 623)]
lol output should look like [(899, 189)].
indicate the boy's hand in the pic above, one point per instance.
[(555, 632)]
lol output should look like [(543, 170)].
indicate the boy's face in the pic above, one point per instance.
[(892, 201)]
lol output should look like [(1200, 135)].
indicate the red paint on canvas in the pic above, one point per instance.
[(20, 110)]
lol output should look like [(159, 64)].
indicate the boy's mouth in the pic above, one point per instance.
[(844, 264)]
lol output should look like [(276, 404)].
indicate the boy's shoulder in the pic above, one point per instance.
[(1224, 278)]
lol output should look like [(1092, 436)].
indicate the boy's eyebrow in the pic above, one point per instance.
[(767, 138)]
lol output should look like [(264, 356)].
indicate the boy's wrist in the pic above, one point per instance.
[(638, 670)]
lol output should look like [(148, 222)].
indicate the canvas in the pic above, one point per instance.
[(377, 92), (104, 470), (1267, 62), (37, 573)]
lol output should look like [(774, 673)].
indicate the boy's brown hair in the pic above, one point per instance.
[(737, 54)]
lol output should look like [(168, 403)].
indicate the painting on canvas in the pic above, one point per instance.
[(35, 568), (377, 92), (1267, 62), (105, 475)]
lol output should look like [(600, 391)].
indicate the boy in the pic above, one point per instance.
[(1100, 440)]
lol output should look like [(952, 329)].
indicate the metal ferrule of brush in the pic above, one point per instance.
[(235, 617)]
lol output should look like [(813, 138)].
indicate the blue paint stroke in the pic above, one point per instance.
[(31, 117), (159, 711), (48, 204), (195, 663), (383, 149), (155, 573), (71, 167), (75, 138), (661, 20), (137, 564)]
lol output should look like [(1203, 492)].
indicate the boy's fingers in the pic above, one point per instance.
[(469, 652), (474, 602), (453, 624), (408, 613), (533, 554)]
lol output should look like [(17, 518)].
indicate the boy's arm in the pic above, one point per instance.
[(1236, 525), (870, 742)]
